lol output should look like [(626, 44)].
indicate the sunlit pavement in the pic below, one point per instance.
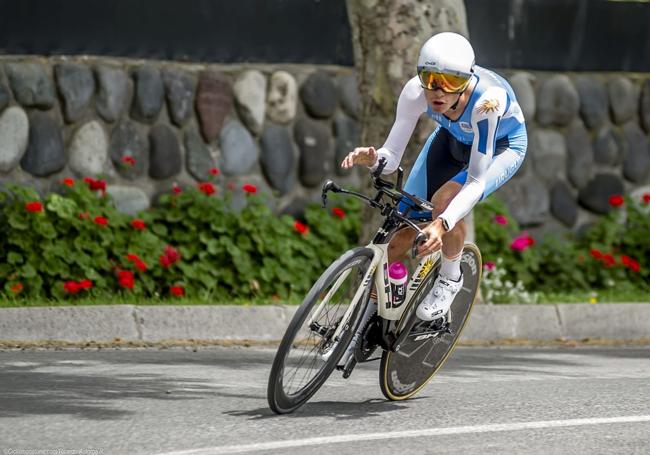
[(485, 400)]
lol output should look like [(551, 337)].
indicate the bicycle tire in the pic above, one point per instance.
[(404, 373), (282, 402)]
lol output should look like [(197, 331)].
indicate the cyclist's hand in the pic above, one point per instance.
[(363, 156), (434, 232)]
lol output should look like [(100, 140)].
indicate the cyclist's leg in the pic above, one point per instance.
[(441, 158)]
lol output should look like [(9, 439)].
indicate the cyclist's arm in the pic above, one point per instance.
[(486, 114), (410, 106)]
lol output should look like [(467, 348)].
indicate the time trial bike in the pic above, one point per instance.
[(325, 324)]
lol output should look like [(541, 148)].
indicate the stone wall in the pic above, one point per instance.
[(285, 128), (587, 139), (282, 128)]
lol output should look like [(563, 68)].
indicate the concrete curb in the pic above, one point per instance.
[(128, 323)]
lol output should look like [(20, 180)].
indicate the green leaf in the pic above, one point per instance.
[(63, 207), (14, 258)]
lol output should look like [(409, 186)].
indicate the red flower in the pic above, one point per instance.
[(100, 220), (609, 260), (338, 212), (85, 284), (176, 189), (128, 160), (596, 254), (616, 200), (301, 227), (215, 171), (96, 185), (68, 182), (170, 256), (138, 224), (626, 260), (125, 279), (489, 266), (646, 198), (634, 265), (500, 219), (207, 188), (522, 242), (178, 291), (71, 287), (250, 189), (139, 263), (16, 287), (34, 207)]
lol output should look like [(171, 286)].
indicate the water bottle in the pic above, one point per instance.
[(398, 276)]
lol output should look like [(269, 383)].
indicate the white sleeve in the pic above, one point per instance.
[(486, 114), (410, 106)]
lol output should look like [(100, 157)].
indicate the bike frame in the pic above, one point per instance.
[(379, 269)]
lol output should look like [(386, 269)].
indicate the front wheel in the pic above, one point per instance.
[(319, 332), (405, 372)]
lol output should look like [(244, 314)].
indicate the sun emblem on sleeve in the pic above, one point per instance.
[(488, 106)]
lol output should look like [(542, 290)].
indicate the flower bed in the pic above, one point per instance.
[(612, 254), (74, 244)]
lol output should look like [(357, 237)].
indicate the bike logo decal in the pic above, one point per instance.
[(387, 286), (397, 384), (426, 267), (425, 336), (468, 258)]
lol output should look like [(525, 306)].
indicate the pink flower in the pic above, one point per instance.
[(500, 219), (522, 242), (489, 266)]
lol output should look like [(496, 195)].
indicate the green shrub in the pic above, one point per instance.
[(613, 252), (77, 244)]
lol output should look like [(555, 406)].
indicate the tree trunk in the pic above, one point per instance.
[(387, 36)]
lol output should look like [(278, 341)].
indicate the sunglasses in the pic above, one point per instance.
[(448, 83)]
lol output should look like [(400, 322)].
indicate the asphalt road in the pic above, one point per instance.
[(176, 401)]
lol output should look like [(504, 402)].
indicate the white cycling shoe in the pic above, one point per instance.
[(437, 303)]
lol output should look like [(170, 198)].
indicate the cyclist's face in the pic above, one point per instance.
[(440, 101)]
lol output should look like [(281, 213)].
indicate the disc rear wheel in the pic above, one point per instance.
[(420, 356)]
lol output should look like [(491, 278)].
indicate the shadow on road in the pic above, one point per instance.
[(27, 392), (340, 410)]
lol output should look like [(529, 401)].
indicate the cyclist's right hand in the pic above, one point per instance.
[(363, 156)]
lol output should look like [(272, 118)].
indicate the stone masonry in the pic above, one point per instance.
[(285, 128)]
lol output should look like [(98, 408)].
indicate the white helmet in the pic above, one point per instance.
[(448, 53)]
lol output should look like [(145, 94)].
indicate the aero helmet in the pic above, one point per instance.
[(446, 61)]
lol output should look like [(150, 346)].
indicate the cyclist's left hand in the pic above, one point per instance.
[(434, 232)]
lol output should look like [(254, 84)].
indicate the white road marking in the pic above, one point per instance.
[(274, 445)]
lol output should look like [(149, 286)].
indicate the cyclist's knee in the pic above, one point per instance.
[(400, 243)]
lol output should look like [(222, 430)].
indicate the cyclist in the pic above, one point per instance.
[(479, 144)]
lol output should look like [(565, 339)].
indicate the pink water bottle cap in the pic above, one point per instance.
[(397, 270)]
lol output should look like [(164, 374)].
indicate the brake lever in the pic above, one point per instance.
[(382, 164), (329, 186), (419, 240)]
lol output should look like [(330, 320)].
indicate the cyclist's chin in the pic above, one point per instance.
[(439, 107)]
